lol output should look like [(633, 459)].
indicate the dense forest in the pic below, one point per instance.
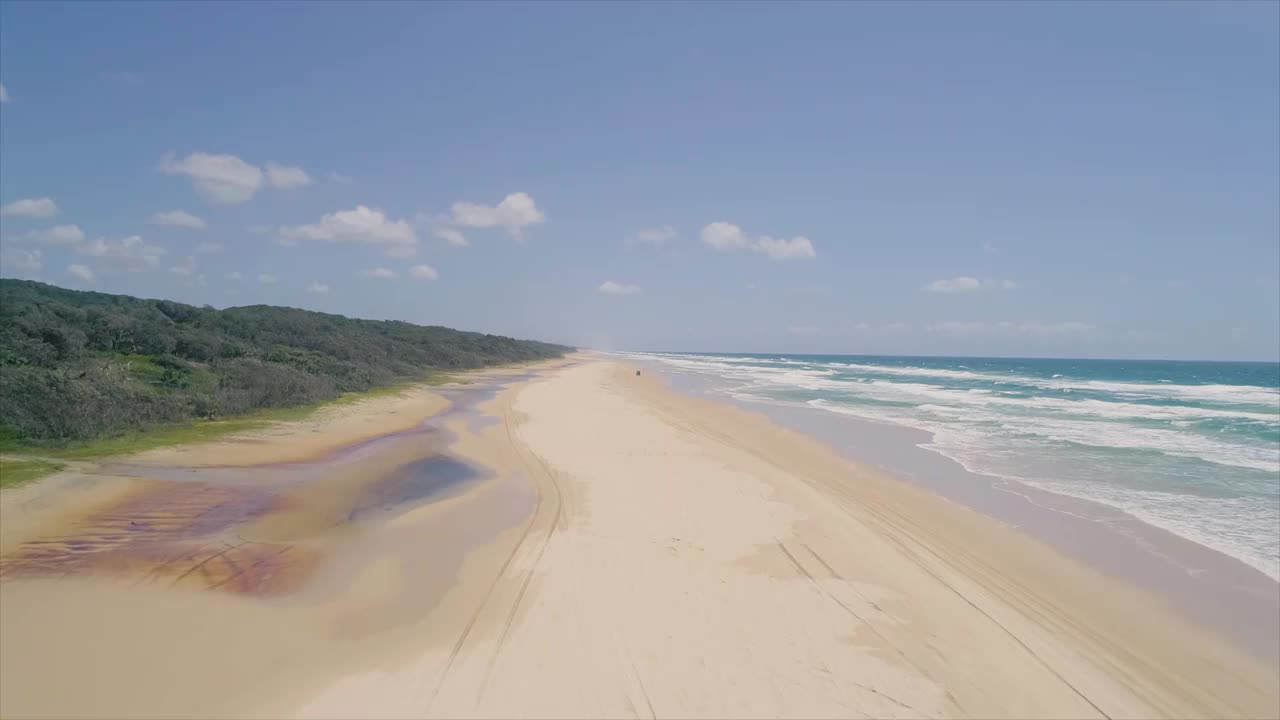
[(78, 365)]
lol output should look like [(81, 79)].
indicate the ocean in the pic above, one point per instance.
[(1190, 447)]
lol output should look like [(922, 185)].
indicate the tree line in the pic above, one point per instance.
[(78, 365)]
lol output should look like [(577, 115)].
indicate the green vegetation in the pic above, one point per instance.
[(195, 431), (88, 374), (16, 472)]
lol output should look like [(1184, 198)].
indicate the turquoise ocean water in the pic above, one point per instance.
[(1191, 447)]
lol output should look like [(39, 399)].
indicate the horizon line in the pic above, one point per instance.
[(941, 357)]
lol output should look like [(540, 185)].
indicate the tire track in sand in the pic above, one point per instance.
[(506, 411), (537, 469)]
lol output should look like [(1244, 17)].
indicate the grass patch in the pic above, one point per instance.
[(133, 442), (445, 379), (199, 430), (17, 472)]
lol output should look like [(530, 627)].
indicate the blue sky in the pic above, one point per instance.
[(1091, 179)]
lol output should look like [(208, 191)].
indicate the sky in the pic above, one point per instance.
[(1006, 179)]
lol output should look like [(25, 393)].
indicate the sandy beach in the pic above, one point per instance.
[(605, 547)]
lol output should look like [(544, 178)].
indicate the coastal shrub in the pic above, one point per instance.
[(78, 365)]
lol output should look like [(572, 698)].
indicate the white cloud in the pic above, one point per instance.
[(20, 259), (186, 269), (64, 235), (988, 247), (380, 273), (1050, 330), (178, 218), (318, 288), (338, 178), (80, 271), (804, 330), (129, 254), (259, 229), (423, 272), (451, 236), (31, 207), (653, 236), (516, 212), (4, 94), (282, 177), (866, 328), (223, 178), (56, 235), (727, 237), (209, 247), (962, 284), (235, 276), (610, 287), (217, 178), (361, 225), (966, 284), (266, 278), (796, 247), (1033, 329)]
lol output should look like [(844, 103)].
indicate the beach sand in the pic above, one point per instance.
[(631, 552), (689, 559), (114, 600)]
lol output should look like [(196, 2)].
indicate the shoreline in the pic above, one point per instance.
[(1184, 455), (1207, 585), (671, 525), (611, 551)]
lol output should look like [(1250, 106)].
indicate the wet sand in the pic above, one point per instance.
[(567, 542), (262, 569), (1210, 588)]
